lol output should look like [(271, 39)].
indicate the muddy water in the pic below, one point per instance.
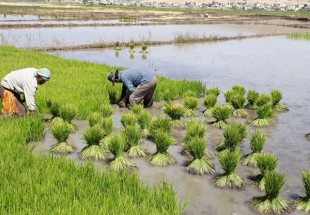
[(47, 37)]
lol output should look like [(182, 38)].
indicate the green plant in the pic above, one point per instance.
[(68, 112), (93, 135), (144, 48), (61, 131), (257, 144), (199, 164), (229, 178), (190, 104), (113, 95), (160, 124), (117, 45), (221, 114), (271, 203), (54, 108), (252, 97), (94, 118), (133, 136), (238, 101), (276, 97), (194, 128), (132, 46), (117, 145), (303, 203), (229, 95), (264, 114), (262, 100), (265, 163), (162, 158), (213, 90), (190, 93), (144, 120), (106, 110), (129, 119), (107, 125), (175, 111), (209, 101), (239, 89), (137, 108)]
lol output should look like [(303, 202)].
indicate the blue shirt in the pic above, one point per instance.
[(132, 78)]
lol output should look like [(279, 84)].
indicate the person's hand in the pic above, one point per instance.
[(122, 104)]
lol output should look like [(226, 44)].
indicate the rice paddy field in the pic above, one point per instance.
[(227, 133)]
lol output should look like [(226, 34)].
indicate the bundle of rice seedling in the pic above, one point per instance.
[(265, 162), (209, 101), (189, 93), (264, 114), (67, 112), (194, 128), (117, 146), (144, 120), (175, 111), (137, 109), (229, 178), (190, 104), (162, 158), (228, 96), (54, 108), (113, 95), (221, 114), (106, 110), (303, 203), (261, 100), (94, 118), (168, 96), (307, 136), (213, 90), (133, 137), (252, 97), (271, 203), (276, 97), (234, 134), (61, 131), (199, 164), (239, 89), (107, 125), (238, 101), (257, 144), (93, 135), (162, 124), (129, 119)]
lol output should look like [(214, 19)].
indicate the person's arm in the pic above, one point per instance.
[(129, 86), (124, 92), (29, 92)]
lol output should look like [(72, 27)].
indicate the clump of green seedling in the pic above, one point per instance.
[(67, 112), (271, 203), (190, 93), (238, 102), (162, 158), (61, 131), (94, 118), (252, 97), (132, 46), (175, 111), (221, 114), (117, 45), (133, 137), (160, 124), (144, 48), (213, 91), (264, 115), (303, 203), (144, 120), (265, 162), (239, 89), (107, 125), (307, 136), (106, 110), (228, 97), (54, 108), (209, 101), (276, 97), (234, 134), (262, 100), (117, 144), (137, 109), (113, 95), (229, 178), (93, 135), (168, 96), (190, 104), (129, 119), (257, 144), (199, 164)]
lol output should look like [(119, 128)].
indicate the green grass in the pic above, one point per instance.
[(299, 36)]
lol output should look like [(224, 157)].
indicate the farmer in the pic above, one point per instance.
[(138, 85), (23, 81)]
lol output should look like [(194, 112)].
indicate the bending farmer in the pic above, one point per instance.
[(138, 85), (23, 81)]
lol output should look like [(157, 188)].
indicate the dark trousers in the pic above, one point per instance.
[(19, 104)]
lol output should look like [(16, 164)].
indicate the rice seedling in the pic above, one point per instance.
[(162, 158), (257, 144), (303, 203), (113, 95), (229, 178), (61, 131), (265, 163), (276, 97), (221, 114), (117, 45), (199, 164), (144, 48), (132, 46), (129, 119), (228, 95), (238, 102), (264, 114), (194, 128), (190, 104), (209, 101), (168, 96), (307, 136), (161, 123), (106, 110), (54, 108), (252, 97), (107, 125), (137, 109), (239, 89), (93, 135), (175, 111), (213, 91), (68, 112), (133, 136), (262, 100), (271, 203), (190, 93), (117, 146), (234, 134), (144, 120), (94, 118)]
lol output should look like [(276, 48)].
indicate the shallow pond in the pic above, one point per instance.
[(17, 17), (53, 37), (262, 64)]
